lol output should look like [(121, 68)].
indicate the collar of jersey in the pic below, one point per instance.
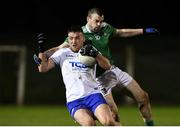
[(87, 28)]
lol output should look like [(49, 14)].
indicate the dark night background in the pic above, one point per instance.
[(157, 58), (36, 15)]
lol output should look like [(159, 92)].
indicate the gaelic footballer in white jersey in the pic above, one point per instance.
[(78, 77)]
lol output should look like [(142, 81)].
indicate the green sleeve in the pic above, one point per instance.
[(111, 29)]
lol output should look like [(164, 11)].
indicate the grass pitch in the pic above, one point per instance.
[(59, 116)]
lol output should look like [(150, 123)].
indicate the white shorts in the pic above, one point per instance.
[(111, 78)]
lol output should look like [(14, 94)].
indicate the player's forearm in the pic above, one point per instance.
[(103, 62), (43, 67), (128, 32), (49, 52)]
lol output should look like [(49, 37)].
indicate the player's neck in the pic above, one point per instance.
[(74, 50)]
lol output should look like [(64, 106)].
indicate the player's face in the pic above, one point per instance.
[(94, 22), (76, 40)]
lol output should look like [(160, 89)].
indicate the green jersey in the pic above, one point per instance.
[(101, 41)]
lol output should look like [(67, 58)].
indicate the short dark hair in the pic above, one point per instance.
[(75, 28), (95, 10)]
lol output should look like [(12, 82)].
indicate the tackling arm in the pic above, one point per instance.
[(50, 51), (103, 62), (90, 50)]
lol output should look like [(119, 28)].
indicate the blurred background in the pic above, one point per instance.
[(154, 61)]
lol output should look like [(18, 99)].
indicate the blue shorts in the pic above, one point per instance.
[(90, 102)]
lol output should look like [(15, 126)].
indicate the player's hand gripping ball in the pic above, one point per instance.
[(88, 55)]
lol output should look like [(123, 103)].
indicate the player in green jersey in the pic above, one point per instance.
[(99, 32)]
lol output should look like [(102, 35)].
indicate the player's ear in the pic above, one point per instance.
[(88, 17)]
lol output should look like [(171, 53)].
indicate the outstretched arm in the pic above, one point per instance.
[(128, 32), (135, 32), (46, 64)]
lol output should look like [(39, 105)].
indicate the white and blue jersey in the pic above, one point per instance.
[(78, 78)]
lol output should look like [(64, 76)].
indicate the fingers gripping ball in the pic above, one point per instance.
[(88, 54), (89, 50)]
